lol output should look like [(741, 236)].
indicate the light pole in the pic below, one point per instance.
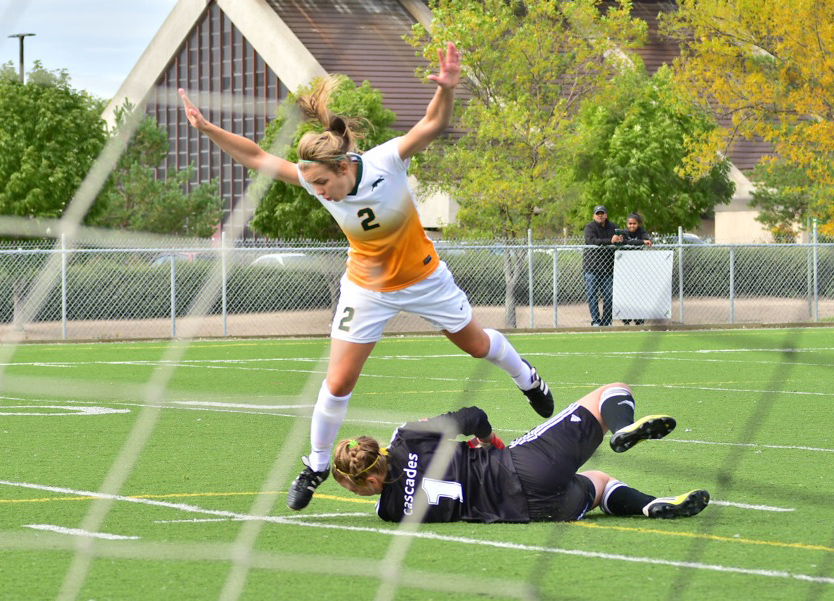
[(20, 37)]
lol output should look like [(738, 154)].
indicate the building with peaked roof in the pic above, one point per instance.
[(239, 58)]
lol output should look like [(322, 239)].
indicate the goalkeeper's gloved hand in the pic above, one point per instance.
[(492, 439)]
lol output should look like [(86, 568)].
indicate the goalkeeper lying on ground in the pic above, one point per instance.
[(426, 475)]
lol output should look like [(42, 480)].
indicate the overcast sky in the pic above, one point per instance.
[(97, 41)]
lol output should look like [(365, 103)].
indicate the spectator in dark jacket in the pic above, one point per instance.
[(635, 234), (598, 265), (635, 237)]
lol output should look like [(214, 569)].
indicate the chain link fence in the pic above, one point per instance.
[(201, 289)]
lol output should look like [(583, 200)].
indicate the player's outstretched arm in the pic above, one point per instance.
[(439, 112), (242, 150), (467, 421)]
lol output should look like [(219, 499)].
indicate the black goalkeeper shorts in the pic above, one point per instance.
[(547, 458)]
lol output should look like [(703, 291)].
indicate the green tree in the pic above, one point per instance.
[(786, 197), (134, 199), (7, 72), (631, 153), (287, 211), (50, 134), (529, 66)]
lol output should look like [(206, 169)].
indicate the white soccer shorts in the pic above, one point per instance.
[(361, 314)]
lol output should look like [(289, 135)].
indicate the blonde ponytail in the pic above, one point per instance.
[(340, 133)]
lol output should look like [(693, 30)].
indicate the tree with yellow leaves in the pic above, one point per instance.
[(766, 67)]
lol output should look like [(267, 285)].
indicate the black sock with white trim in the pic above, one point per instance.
[(617, 407), (620, 499)]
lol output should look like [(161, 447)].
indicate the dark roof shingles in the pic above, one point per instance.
[(364, 40)]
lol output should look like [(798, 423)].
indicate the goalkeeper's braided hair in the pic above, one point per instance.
[(356, 459)]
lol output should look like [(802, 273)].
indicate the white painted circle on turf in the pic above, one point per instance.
[(64, 410)]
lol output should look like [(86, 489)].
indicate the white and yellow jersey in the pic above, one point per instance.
[(388, 248)]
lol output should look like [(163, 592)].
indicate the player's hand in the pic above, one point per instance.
[(195, 117), (647, 242), (449, 67), (491, 440), (495, 441)]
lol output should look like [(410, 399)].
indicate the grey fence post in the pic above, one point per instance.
[(173, 296), (63, 286), (223, 278), (816, 275), (530, 276), (732, 285), (680, 272), (17, 296), (809, 276), (555, 286)]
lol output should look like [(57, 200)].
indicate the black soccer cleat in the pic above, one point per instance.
[(302, 488), (683, 506), (539, 396), (645, 428)]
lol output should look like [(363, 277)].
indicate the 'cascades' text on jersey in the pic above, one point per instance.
[(479, 485)]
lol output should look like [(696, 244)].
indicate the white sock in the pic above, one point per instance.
[(502, 354), (328, 416)]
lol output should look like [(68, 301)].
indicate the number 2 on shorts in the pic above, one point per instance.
[(347, 317)]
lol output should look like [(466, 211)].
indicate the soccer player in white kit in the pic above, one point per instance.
[(392, 265)]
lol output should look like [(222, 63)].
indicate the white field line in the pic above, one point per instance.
[(240, 365), (744, 390), (80, 410), (753, 445), (736, 361), (754, 507), (79, 532), (585, 384), (239, 405), (272, 410), (458, 355), (300, 516), (439, 537), (235, 364)]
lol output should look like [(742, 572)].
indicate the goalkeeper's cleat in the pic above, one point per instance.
[(649, 427), (539, 395), (302, 488), (683, 506)]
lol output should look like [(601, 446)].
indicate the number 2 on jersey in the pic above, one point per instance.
[(368, 221)]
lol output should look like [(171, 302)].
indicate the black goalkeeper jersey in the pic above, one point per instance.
[(478, 485)]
